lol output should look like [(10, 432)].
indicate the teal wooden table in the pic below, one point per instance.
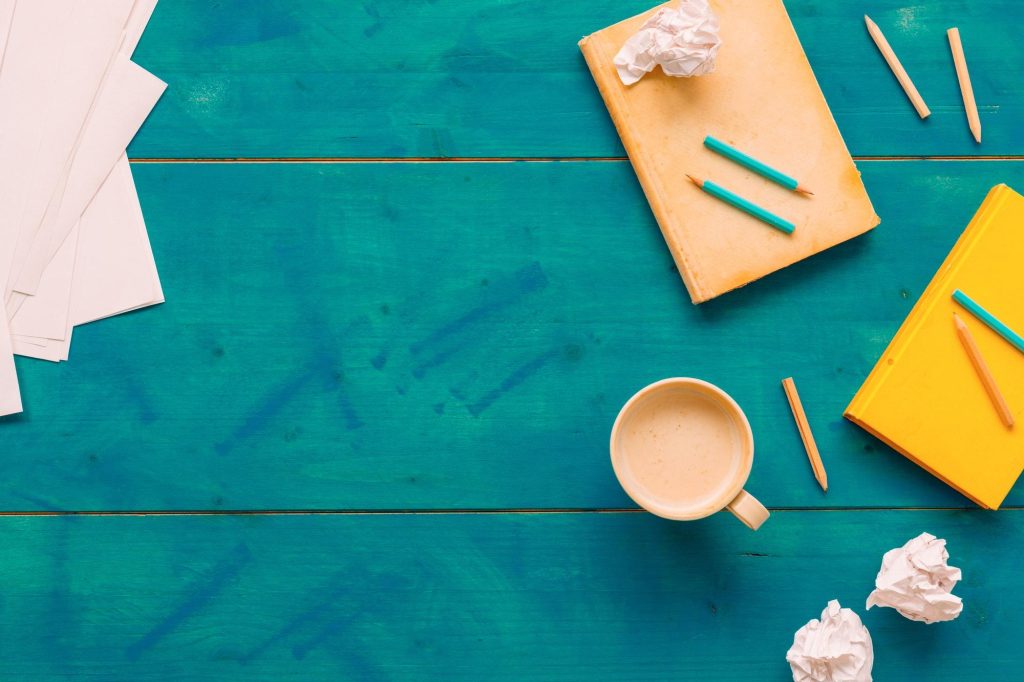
[(410, 280)]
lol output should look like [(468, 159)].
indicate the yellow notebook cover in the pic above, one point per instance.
[(924, 397), (763, 99)]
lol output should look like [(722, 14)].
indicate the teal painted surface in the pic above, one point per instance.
[(452, 335), (491, 78), (460, 336), (553, 597)]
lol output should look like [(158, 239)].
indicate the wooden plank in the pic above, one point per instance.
[(489, 78), (356, 336), (557, 597)]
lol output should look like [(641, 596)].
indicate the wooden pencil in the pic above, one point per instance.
[(962, 75), (993, 322), (984, 373), (805, 432), (897, 68)]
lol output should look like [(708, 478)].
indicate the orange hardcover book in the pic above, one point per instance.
[(761, 98), (924, 397)]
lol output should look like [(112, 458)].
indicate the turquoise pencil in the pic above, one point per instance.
[(739, 202), (989, 319), (753, 164)]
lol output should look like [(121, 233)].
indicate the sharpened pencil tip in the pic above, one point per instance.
[(804, 190), (694, 180)]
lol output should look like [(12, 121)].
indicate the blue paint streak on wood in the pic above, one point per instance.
[(502, 294), (266, 410), (518, 376), (335, 627), (324, 604), (219, 577), (468, 336), (461, 597)]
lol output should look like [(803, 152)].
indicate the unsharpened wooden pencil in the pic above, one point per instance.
[(805, 432), (897, 68), (962, 75), (984, 373)]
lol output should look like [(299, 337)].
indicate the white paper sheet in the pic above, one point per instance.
[(113, 270), (26, 79), (90, 42), (120, 111), (128, 96), (6, 15), (30, 56), (137, 20), (72, 238), (45, 315), (10, 391)]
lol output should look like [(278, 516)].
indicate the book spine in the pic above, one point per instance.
[(921, 463), (857, 409), (611, 92)]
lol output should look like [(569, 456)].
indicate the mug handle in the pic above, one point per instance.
[(747, 509)]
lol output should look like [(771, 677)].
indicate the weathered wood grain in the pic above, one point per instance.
[(396, 336), (558, 597), (491, 78)]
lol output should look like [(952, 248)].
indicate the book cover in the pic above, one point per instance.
[(761, 98), (924, 398)]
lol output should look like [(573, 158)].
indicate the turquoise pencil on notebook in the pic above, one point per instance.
[(739, 202), (989, 319), (753, 164)]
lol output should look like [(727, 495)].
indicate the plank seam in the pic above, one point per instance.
[(471, 159), (453, 512)]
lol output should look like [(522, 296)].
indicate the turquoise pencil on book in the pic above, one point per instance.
[(1015, 339), (753, 164), (739, 202)]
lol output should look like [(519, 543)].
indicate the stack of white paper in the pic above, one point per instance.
[(73, 244)]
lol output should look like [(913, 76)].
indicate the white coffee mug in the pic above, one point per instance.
[(683, 449)]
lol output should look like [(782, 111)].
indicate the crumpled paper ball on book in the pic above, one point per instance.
[(683, 41)]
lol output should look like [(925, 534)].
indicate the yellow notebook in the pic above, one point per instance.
[(763, 99), (924, 397)]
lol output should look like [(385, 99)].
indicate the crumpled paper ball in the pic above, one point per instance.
[(835, 649), (916, 581), (683, 41)]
